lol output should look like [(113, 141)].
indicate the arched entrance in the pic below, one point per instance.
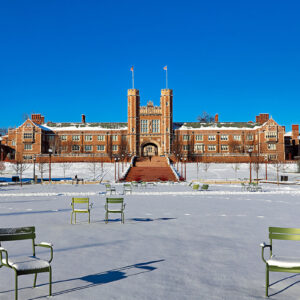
[(149, 149)]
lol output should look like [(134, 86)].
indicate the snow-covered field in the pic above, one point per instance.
[(175, 244)]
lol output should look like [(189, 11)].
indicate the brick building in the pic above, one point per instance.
[(150, 130)]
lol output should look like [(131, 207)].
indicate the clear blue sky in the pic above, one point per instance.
[(67, 58)]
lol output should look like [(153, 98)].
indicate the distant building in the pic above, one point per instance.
[(292, 145), (150, 130)]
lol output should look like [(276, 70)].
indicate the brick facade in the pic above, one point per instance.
[(150, 131)]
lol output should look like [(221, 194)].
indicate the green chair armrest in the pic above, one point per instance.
[(46, 245), (263, 246), (3, 250)]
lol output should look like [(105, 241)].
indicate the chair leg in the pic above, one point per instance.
[(106, 217), (71, 217), (89, 218), (267, 281), (16, 285), (75, 217), (50, 281), (34, 281)]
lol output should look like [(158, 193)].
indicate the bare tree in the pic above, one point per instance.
[(20, 167), (43, 167), (205, 117), (279, 166), (2, 167), (236, 166), (66, 166)]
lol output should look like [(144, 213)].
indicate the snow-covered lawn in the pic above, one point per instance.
[(175, 244)]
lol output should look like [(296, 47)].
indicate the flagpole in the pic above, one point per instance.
[(167, 78), (132, 78)]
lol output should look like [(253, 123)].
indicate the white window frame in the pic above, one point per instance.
[(114, 148), (186, 137), (114, 137), (144, 126), (88, 148), (224, 148), (211, 137), (77, 148), (88, 138), (155, 126), (27, 147), (224, 137), (272, 147), (101, 138), (75, 137), (199, 137), (236, 137), (211, 147), (100, 146)]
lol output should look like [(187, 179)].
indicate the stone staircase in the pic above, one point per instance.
[(156, 169)]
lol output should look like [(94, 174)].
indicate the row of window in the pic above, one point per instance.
[(87, 148), (201, 147), (87, 138), (223, 137)]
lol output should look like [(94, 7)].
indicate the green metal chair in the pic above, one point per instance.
[(110, 189), (196, 187), (204, 187), (25, 265), (278, 263), (79, 206), (127, 188), (114, 206)]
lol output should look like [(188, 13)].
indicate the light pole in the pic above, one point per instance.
[(266, 165), (123, 162), (185, 169), (250, 153), (34, 159), (50, 153)]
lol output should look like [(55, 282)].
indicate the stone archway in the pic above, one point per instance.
[(149, 149)]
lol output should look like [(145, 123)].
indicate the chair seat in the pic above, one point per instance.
[(81, 210), (27, 263), (284, 262), (114, 211)]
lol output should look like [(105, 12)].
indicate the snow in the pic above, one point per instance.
[(176, 243)]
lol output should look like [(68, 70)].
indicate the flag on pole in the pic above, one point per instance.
[(165, 68), (131, 69)]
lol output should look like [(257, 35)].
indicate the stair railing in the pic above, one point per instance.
[(172, 168)]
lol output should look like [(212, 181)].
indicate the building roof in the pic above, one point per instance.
[(83, 126), (216, 125)]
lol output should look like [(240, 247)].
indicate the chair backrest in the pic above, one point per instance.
[(18, 233), (114, 200), (127, 185), (279, 233), (80, 201), (107, 185)]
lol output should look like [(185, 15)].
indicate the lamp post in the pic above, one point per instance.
[(266, 165), (123, 157), (250, 153), (185, 169), (115, 169), (34, 159), (50, 153)]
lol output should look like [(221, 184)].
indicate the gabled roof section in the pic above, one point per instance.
[(216, 125), (84, 126)]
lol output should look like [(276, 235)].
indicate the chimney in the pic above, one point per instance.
[(262, 118), (283, 128), (216, 118), (38, 119), (83, 119), (295, 133)]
